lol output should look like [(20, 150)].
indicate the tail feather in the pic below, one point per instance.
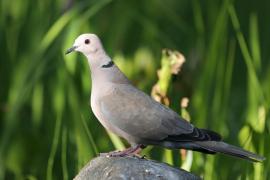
[(206, 141), (222, 147)]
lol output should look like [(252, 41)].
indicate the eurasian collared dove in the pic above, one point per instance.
[(130, 113)]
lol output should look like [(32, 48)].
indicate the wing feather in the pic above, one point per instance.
[(137, 114)]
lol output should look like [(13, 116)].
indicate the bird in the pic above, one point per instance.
[(133, 115)]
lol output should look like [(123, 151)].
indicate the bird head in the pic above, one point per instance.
[(87, 44)]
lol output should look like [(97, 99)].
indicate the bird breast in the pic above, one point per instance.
[(96, 108)]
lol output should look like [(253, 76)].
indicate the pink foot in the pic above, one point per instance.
[(132, 150)]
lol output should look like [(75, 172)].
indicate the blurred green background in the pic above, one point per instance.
[(47, 130)]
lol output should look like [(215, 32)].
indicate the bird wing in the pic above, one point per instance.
[(137, 114)]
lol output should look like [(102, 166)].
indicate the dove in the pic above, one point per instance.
[(133, 115)]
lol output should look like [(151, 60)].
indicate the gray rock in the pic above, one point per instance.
[(130, 168)]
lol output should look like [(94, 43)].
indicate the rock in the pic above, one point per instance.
[(130, 168)]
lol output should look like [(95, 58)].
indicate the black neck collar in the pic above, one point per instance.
[(110, 64)]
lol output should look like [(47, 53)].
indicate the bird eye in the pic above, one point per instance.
[(87, 41)]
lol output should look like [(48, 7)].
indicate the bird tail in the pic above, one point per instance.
[(209, 142), (222, 147)]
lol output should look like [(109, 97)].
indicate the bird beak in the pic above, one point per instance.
[(71, 49)]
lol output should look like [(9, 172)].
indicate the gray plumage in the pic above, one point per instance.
[(130, 113)]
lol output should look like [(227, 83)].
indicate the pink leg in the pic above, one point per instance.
[(131, 150)]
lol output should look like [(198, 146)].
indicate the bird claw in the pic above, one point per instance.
[(139, 156), (108, 154), (114, 154), (129, 151)]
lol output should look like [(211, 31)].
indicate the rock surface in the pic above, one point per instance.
[(130, 168)]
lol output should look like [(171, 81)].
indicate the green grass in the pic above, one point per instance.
[(47, 130)]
